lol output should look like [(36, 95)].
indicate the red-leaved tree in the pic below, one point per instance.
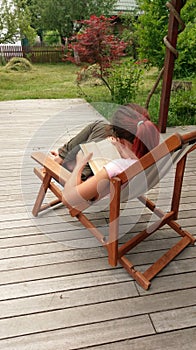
[(96, 44)]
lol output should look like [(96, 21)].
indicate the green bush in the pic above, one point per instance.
[(185, 65), (128, 37), (51, 38), (124, 80), (2, 60), (182, 109)]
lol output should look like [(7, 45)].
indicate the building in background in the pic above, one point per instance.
[(124, 6)]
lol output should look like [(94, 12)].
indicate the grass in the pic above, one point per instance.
[(54, 81), (43, 81), (46, 81), (58, 81)]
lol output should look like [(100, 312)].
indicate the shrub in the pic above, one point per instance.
[(2, 60), (185, 65), (182, 109), (51, 38), (124, 80)]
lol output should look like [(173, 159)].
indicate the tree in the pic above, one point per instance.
[(9, 30), (185, 64), (24, 20), (151, 29), (35, 10), (96, 45), (61, 15), (15, 21)]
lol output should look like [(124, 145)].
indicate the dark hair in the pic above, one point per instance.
[(141, 110), (128, 123)]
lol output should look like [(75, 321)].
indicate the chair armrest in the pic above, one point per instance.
[(59, 173), (189, 137)]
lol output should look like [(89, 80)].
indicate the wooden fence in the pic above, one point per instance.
[(33, 54), (9, 51)]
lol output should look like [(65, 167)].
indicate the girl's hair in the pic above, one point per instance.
[(129, 123), (141, 110)]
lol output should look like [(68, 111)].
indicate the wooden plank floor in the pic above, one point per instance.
[(56, 288)]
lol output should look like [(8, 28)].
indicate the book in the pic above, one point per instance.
[(103, 152)]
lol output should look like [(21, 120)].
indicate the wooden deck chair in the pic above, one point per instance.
[(153, 166)]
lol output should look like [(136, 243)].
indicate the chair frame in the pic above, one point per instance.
[(117, 252)]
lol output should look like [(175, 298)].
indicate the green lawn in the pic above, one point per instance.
[(44, 81), (54, 81)]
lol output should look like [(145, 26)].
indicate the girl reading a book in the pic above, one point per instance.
[(133, 135), (95, 131)]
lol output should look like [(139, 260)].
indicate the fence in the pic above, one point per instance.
[(9, 51), (43, 54), (33, 54)]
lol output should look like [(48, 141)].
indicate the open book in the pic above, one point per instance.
[(103, 152)]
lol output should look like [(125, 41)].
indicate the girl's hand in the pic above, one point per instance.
[(123, 146), (82, 160), (125, 151)]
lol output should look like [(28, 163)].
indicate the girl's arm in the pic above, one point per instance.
[(76, 193)]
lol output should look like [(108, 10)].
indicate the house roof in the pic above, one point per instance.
[(125, 6)]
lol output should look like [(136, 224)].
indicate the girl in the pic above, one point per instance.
[(96, 131), (134, 135)]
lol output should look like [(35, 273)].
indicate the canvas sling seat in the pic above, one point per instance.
[(142, 176)]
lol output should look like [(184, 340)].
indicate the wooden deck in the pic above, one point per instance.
[(55, 291)]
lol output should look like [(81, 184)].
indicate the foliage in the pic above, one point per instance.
[(124, 80), (151, 29), (182, 110), (153, 26), (18, 64), (51, 37), (61, 15), (15, 21), (129, 20), (24, 21), (185, 65), (8, 25), (2, 60), (96, 45)]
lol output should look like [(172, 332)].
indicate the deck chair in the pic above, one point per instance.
[(153, 166)]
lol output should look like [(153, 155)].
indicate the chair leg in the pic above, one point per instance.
[(112, 244), (166, 258), (137, 275), (42, 192), (176, 227), (180, 168)]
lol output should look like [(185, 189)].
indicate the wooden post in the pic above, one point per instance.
[(169, 65)]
